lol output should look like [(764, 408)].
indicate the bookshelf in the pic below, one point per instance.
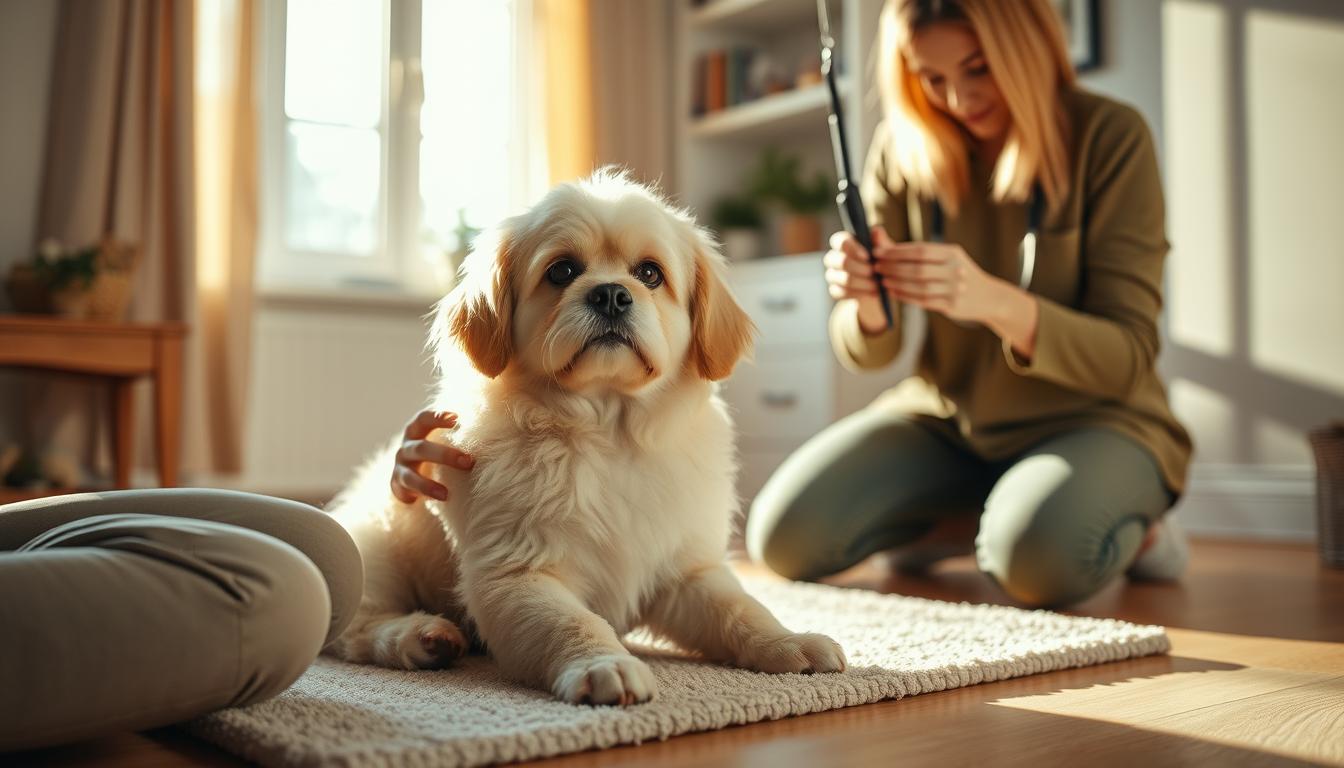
[(777, 115), (714, 151), (794, 387), (754, 15)]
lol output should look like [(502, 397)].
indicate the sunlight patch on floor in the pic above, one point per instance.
[(1292, 713)]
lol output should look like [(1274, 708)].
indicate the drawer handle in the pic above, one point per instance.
[(779, 399), (779, 304)]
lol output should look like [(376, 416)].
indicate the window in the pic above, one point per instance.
[(389, 127)]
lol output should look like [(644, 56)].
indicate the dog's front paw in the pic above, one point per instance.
[(805, 653), (612, 679)]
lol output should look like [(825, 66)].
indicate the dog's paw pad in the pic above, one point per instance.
[(610, 679), (442, 643)]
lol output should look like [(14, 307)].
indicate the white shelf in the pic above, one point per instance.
[(755, 15), (769, 115)]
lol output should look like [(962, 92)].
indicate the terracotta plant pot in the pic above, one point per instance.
[(799, 233)]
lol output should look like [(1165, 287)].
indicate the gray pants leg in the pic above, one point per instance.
[(136, 609), (871, 481), (1056, 524)]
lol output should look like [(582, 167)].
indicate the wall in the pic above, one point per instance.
[(27, 31), (331, 383), (1131, 63), (1244, 100)]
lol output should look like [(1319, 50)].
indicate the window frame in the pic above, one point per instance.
[(392, 265), (397, 265)]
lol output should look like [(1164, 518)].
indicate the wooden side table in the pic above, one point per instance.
[(121, 352)]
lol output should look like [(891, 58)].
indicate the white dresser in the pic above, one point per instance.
[(794, 387)]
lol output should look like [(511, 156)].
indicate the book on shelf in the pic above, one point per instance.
[(716, 86), (721, 78)]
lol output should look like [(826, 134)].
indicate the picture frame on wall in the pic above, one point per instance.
[(1081, 31)]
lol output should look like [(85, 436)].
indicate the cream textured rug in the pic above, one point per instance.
[(343, 714)]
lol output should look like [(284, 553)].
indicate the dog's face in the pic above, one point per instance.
[(602, 286)]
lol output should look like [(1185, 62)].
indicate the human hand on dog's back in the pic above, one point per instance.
[(408, 483)]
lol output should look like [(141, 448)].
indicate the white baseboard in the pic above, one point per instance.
[(1250, 501)]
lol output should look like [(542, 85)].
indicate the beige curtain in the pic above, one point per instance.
[(227, 205), (122, 159), (606, 85)]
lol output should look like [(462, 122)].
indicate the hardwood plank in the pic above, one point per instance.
[(163, 748), (1303, 722), (1140, 700), (1272, 652)]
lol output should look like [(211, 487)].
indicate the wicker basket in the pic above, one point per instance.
[(111, 290), (1328, 445)]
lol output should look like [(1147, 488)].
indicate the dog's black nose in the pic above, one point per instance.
[(610, 300)]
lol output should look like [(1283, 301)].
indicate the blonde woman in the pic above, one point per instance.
[(1024, 215)]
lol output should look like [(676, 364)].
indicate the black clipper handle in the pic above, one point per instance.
[(856, 223)]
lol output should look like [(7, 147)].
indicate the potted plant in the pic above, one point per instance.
[(449, 259), (89, 283), (778, 180), (738, 221), (465, 234)]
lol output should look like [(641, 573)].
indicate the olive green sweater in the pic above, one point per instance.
[(1098, 279)]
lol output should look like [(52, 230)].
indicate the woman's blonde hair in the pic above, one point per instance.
[(1023, 45)]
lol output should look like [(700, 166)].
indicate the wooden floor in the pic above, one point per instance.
[(1255, 677)]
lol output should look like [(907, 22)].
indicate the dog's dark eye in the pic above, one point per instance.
[(563, 272), (649, 274)]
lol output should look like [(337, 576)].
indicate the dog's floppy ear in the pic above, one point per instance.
[(478, 314), (721, 332)]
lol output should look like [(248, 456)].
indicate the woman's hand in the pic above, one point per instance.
[(849, 275), (407, 482), (943, 278), (940, 277)]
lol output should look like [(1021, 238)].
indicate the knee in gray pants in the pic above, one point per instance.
[(1054, 551)]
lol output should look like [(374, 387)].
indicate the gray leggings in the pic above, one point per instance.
[(1056, 523), (136, 609)]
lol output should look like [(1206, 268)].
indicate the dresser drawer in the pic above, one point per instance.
[(787, 309), (782, 397)]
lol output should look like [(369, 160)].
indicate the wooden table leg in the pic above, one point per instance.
[(168, 408), (123, 425)]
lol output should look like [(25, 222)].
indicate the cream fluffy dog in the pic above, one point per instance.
[(603, 492)]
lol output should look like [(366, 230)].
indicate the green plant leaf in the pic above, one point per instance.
[(777, 180)]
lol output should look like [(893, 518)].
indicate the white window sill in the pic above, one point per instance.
[(349, 297)]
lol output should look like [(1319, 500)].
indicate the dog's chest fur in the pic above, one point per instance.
[(610, 510)]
